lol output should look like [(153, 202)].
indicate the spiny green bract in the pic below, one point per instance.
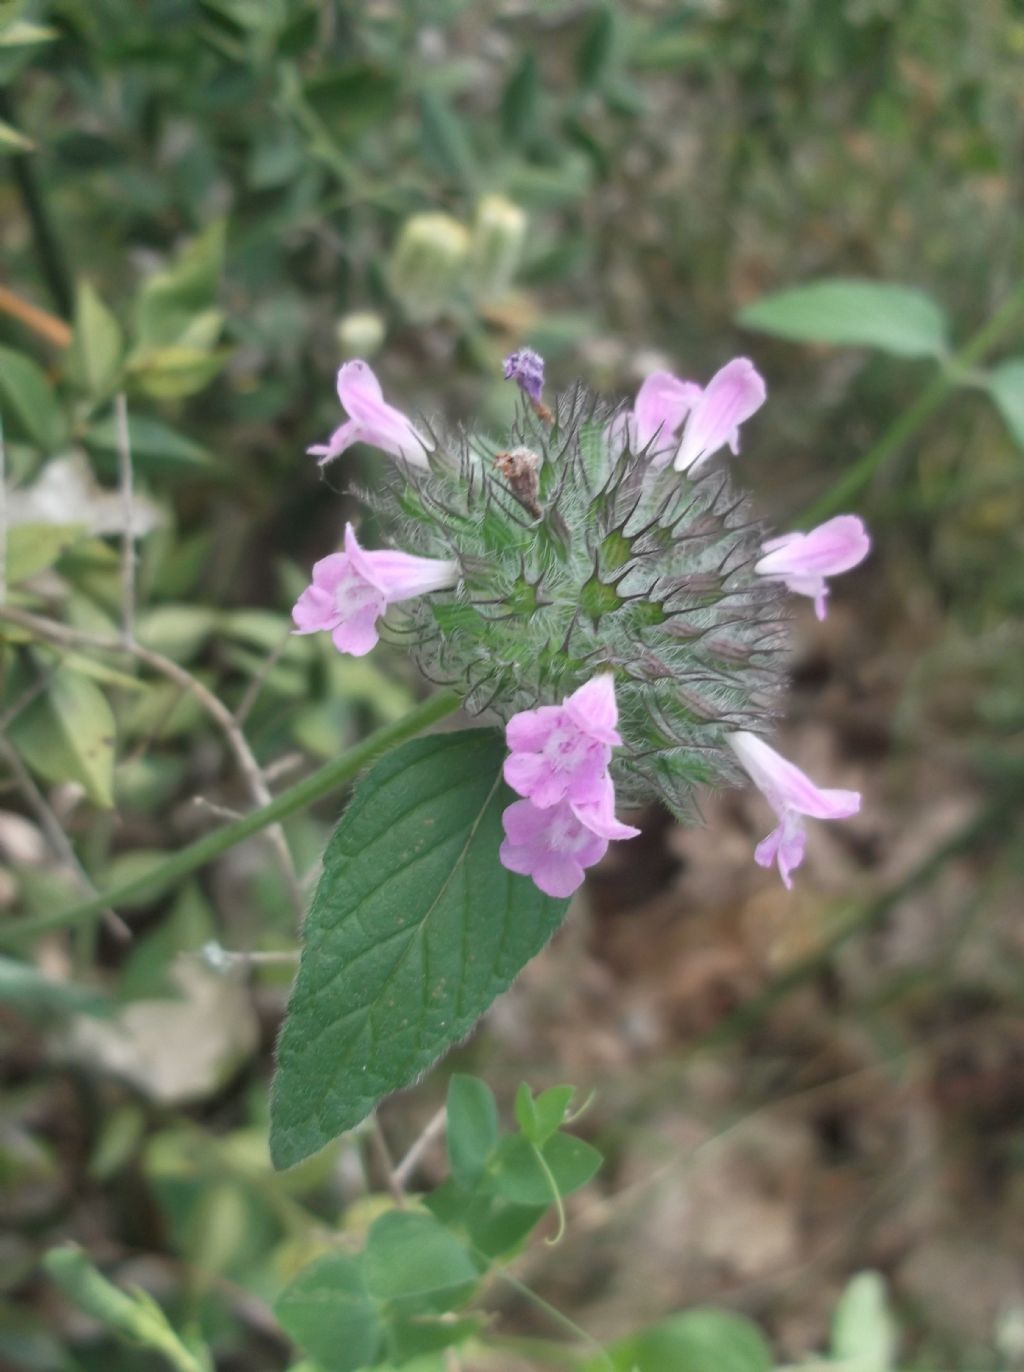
[(644, 572)]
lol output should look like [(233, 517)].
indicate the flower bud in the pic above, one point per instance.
[(360, 334), (496, 248), (426, 264)]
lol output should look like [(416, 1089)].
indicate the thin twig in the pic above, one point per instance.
[(57, 838), (255, 686), (379, 1144), (192, 856), (124, 470), (433, 1129), (41, 322), (61, 634)]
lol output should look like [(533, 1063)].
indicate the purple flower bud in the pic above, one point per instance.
[(526, 369)]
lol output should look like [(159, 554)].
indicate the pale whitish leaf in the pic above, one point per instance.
[(97, 345), (863, 1332), (13, 140), (869, 314), (1006, 387), (68, 734), (66, 493), (29, 399), (21, 33), (414, 929)]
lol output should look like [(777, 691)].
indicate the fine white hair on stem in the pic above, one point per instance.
[(126, 483)]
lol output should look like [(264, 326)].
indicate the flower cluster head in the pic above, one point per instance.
[(595, 582)]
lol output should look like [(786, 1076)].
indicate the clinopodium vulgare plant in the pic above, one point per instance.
[(596, 581)]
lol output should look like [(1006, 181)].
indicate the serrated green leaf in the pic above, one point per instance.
[(31, 548), (97, 346), (68, 734), (412, 1262), (414, 929), (1006, 387), (472, 1127), (29, 400), (329, 1313), (698, 1341), (851, 313), (153, 444), (863, 1332)]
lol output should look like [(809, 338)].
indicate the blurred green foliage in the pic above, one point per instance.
[(214, 202)]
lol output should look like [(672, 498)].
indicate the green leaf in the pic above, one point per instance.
[(1006, 387), (97, 346), (414, 929), (698, 1341), (863, 1333), (31, 548), (153, 444), (446, 143), (520, 102), (549, 1111), (177, 370), (68, 734), (328, 1311), (526, 1115), (412, 1262), (29, 399), (171, 298), (27, 990), (865, 314), (21, 33), (596, 52), (13, 140), (519, 1176), (472, 1127)]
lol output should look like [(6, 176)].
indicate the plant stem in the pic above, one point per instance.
[(297, 797), (928, 400), (44, 236)]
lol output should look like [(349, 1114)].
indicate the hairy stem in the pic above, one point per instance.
[(204, 850), (928, 400)]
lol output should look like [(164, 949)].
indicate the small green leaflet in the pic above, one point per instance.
[(1006, 387), (856, 314), (414, 929)]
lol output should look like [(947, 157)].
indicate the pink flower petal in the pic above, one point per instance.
[(524, 772), (358, 635), (661, 405), (529, 730), (732, 395), (314, 611), (598, 815), (593, 709), (557, 875)]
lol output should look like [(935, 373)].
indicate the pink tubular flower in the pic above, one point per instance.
[(351, 590), (371, 420), (551, 846), (791, 795), (661, 405), (803, 561), (562, 751), (732, 395)]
